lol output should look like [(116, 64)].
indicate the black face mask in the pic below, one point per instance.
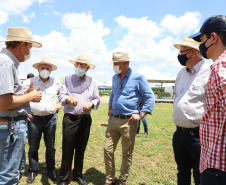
[(203, 49), (183, 58)]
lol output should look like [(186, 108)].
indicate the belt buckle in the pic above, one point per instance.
[(3, 124)]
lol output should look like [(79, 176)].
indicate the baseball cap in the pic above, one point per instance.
[(215, 23)]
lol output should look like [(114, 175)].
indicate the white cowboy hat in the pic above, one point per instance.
[(83, 59), (45, 61), (188, 42), (21, 34), (120, 57)]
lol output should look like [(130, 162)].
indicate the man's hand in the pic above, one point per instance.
[(30, 117), (134, 118), (110, 114), (36, 95), (58, 107), (87, 106), (30, 88), (72, 100)]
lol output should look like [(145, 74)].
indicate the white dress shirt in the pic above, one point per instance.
[(189, 95), (49, 91)]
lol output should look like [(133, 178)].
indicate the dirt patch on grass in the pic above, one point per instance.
[(104, 99)]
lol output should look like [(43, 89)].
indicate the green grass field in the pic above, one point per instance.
[(153, 159)]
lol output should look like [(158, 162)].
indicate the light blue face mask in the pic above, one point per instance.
[(80, 72)]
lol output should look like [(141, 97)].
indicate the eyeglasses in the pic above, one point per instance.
[(47, 68), (180, 53)]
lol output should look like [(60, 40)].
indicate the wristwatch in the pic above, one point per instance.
[(141, 116)]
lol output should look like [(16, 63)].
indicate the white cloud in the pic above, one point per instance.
[(3, 17), (15, 7), (150, 73), (56, 13), (142, 28), (25, 18), (181, 25)]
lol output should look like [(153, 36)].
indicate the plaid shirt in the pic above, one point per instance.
[(213, 123)]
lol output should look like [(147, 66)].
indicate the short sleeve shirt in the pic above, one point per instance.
[(10, 82)]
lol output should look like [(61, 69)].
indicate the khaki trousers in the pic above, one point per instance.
[(119, 128)]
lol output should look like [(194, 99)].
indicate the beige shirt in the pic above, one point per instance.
[(189, 95), (49, 91)]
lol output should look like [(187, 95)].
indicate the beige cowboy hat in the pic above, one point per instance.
[(188, 42), (21, 34), (45, 61), (83, 59), (120, 57)]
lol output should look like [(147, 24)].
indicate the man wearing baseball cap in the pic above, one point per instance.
[(45, 118), (14, 104), (189, 103), (213, 124)]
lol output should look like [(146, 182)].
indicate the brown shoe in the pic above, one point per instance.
[(121, 182), (109, 183)]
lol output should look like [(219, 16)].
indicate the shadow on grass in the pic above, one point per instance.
[(94, 176), (44, 174), (104, 125)]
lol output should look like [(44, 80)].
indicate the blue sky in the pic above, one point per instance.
[(146, 29)]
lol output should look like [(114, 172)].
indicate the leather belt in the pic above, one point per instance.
[(78, 115), (22, 117), (45, 117), (188, 129), (123, 116)]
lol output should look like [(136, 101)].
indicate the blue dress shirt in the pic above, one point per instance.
[(127, 93)]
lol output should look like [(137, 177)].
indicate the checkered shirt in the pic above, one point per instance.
[(213, 123)]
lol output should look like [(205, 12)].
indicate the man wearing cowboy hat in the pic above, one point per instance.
[(189, 103), (45, 118), (128, 89), (14, 104), (79, 94)]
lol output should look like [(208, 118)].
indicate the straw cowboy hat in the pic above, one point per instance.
[(83, 59), (21, 34), (191, 43), (120, 57), (45, 61)]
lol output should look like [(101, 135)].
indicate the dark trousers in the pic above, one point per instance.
[(37, 126), (212, 176), (75, 137), (186, 146)]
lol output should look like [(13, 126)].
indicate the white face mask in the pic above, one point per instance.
[(44, 73), (26, 57), (80, 72), (117, 70)]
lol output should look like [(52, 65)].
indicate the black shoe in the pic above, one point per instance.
[(31, 177), (52, 175), (80, 180), (63, 183)]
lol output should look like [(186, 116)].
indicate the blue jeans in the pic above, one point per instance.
[(145, 125), (36, 127), (186, 147), (212, 176), (12, 154)]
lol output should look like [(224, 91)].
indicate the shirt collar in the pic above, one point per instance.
[(222, 57), (39, 79), (11, 56), (79, 79), (196, 67), (127, 74)]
